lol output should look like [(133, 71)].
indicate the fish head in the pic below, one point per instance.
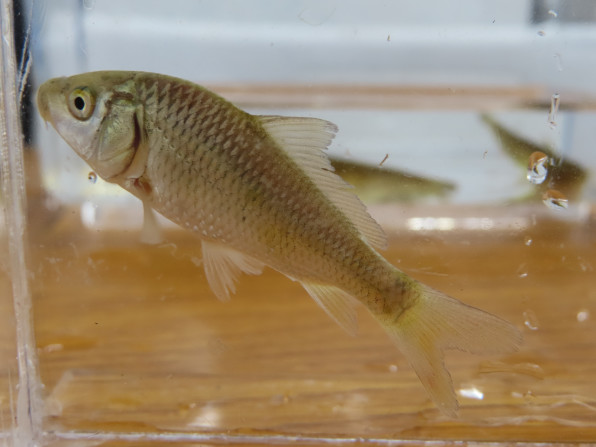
[(97, 115)]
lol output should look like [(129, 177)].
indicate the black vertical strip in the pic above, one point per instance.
[(20, 37)]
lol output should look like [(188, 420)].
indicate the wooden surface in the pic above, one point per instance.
[(131, 341)]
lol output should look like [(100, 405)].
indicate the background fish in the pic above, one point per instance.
[(378, 184), (259, 191), (563, 174)]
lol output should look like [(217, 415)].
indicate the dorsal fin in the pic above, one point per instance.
[(305, 140)]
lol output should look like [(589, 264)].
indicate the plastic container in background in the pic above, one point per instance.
[(467, 129)]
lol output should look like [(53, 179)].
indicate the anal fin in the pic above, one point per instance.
[(340, 306), (223, 265)]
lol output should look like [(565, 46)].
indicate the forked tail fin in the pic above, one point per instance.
[(434, 322)]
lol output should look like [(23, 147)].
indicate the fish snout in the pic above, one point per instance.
[(47, 96), (43, 102)]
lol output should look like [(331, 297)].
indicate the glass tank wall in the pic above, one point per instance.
[(467, 128)]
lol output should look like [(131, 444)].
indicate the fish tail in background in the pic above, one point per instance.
[(432, 322)]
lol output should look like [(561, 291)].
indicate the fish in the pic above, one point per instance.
[(381, 184), (563, 174), (259, 191)]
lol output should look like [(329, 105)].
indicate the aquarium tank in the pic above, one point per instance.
[(466, 128)]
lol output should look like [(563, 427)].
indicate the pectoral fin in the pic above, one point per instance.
[(151, 233), (223, 265)]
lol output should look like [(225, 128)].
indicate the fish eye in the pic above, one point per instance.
[(81, 103)]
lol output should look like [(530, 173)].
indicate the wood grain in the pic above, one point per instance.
[(131, 340), (421, 97)]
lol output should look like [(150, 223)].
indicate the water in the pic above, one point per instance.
[(133, 345)]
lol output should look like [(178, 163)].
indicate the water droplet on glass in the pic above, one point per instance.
[(528, 241), (555, 99), (553, 13), (530, 320), (584, 265), (522, 272), (583, 315), (555, 200), (559, 61), (537, 170), (92, 177)]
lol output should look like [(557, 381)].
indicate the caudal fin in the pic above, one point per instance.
[(435, 322)]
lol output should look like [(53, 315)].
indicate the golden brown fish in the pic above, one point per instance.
[(563, 174), (380, 184), (259, 191)]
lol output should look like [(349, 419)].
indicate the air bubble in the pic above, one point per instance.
[(92, 177), (528, 241), (555, 200), (583, 315), (530, 320), (537, 170), (553, 13)]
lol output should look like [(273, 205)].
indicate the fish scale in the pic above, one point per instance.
[(259, 191)]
